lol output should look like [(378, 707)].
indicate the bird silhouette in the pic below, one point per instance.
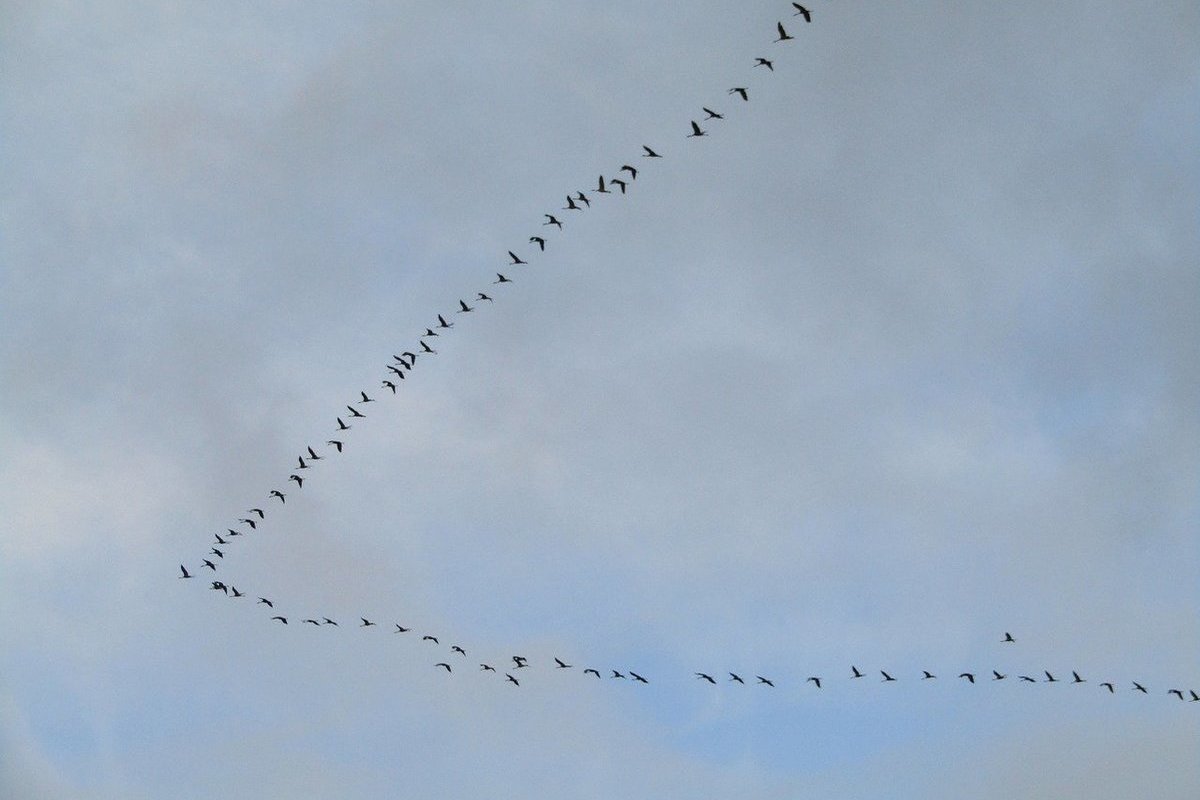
[(783, 35), (561, 664), (631, 170), (464, 308), (311, 621), (301, 464), (1076, 679), (1177, 692), (247, 521), (264, 601), (236, 593), (427, 349), (1195, 697), (928, 675), (601, 188), (354, 412), (970, 677), (764, 62), (741, 90), (1027, 679), (711, 114), (801, 11), (520, 661), (1008, 637), (814, 679), (217, 552), (183, 572), (389, 385), (515, 258), (590, 671), (618, 182), (551, 220), (279, 494), (570, 206), (455, 648), (219, 539), (486, 668), (761, 679), (705, 677), (428, 638), (328, 621), (996, 676), (342, 426), (366, 623), (501, 279), (280, 619), (886, 677), (1137, 687), (220, 587), (1111, 689), (481, 296), (258, 511), (581, 197), (210, 565), (1050, 678), (511, 679), (401, 629), (637, 677), (444, 666), (733, 676), (299, 481), (336, 444), (696, 131), (539, 241), (854, 673), (312, 454), (616, 674), (649, 153)]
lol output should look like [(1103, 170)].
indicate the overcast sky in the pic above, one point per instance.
[(903, 355)]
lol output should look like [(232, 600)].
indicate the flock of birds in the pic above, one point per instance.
[(402, 364)]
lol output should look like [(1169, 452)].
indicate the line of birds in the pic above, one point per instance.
[(404, 363)]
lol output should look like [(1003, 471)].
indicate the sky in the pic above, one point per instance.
[(903, 355)]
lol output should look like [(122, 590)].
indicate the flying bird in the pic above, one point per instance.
[(312, 454), (1050, 678), (279, 494), (301, 465), (210, 565), (482, 296), (428, 638), (1076, 679), (969, 676), (733, 676), (704, 677), (1008, 637), (637, 677), (486, 668), (511, 679), (264, 601), (551, 220), (458, 650), (217, 553), (742, 90), (443, 665), (219, 539), (591, 671), (631, 170), (539, 241), (1138, 687), (354, 412), (365, 399), (258, 511), (280, 619), (515, 258), (336, 444), (366, 623), (342, 427), (442, 323), (570, 206), (328, 621), (761, 679), (501, 279), (886, 677), (618, 182), (649, 153), (696, 131), (763, 62), (217, 585), (928, 675), (783, 35), (253, 526), (711, 114), (996, 676), (1027, 679), (815, 680), (581, 197), (389, 385), (311, 621), (520, 660), (464, 308), (426, 348), (1111, 689), (1177, 692), (236, 593), (299, 481), (616, 674), (401, 629), (600, 189), (561, 664), (854, 672), (183, 572), (801, 11)]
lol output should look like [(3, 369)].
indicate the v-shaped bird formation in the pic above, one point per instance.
[(617, 183)]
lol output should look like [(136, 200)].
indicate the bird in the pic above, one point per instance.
[(705, 677), (1050, 678), (601, 189), (696, 131), (426, 348), (1076, 679), (336, 444), (246, 521), (264, 601), (312, 454), (354, 412), (733, 676), (886, 677), (741, 90), (539, 241), (1195, 697), (183, 572), (801, 11), (815, 680), (761, 679), (649, 153), (299, 481), (637, 677), (482, 296), (1139, 688), (591, 671), (281, 619), (520, 661), (444, 665), (570, 206), (970, 677), (464, 308), (1111, 689), (783, 35), (219, 539), (854, 672), (366, 623), (996, 676), (458, 650), (389, 385), (401, 629), (311, 621), (618, 182), (763, 62), (210, 565), (442, 323), (515, 258), (486, 668), (511, 679), (561, 664), (712, 114), (328, 621), (428, 332), (1008, 637), (617, 674), (631, 170), (551, 220), (928, 675), (428, 638), (501, 279), (217, 553), (1177, 692), (1027, 679), (258, 511), (342, 426), (236, 593), (220, 587), (581, 197), (365, 399), (413, 356), (301, 465), (279, 494)]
